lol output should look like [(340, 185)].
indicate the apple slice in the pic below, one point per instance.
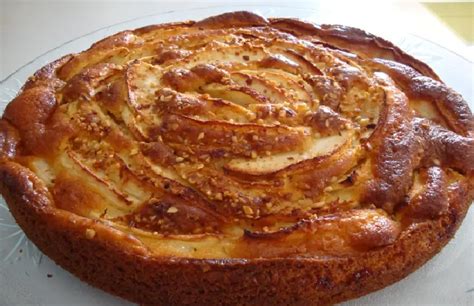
[(265, 165)]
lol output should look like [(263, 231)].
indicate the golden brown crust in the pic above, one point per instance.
[(127, 270), (100, 178), (31, 124), (354, 40), (9, 140), (233, 19), (451, 104), (394, 151), (47, 75), (433, 200)]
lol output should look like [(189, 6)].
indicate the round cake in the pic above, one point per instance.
[(238, 160)]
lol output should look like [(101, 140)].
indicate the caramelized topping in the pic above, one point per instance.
[(247, 141)]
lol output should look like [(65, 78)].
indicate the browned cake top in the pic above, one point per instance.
[(267, 138)]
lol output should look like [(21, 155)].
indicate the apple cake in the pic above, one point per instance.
[(238, 160)]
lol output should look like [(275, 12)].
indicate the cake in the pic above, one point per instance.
[(238, 160)]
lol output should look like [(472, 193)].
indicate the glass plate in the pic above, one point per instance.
[(27, 277)]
